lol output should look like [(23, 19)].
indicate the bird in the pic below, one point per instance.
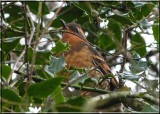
[(81, 54)]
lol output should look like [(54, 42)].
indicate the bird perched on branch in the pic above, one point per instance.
[(82, 55)]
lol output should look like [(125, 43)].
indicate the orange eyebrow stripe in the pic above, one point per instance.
[(98, 57)]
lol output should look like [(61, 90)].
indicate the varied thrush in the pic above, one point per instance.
[(81, 54)]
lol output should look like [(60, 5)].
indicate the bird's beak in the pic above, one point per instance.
[(64, 24)]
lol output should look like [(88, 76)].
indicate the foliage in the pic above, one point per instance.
[(32, 75)]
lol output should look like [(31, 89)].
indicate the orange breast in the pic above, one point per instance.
[(80, 59)]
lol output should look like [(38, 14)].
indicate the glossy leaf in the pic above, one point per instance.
[(115, 28), (21, 88), (151, 84), (105, 42), (83, 6), (56, 64), (42, 57), (139, 66), (60, 47), (69, 14), (155, 29), (59, 98), (128, 76), (146, 9), (137, 39), (34, 7), (9, 44), (14, 11), (79, 101), (137, 14), (44, 88), (42, 73), (76, 75), (121, 19), (10, 95), (5, 71)]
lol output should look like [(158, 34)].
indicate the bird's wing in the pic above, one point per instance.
[(103, 67)]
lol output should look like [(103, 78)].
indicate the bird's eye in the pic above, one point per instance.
[(77, 30)]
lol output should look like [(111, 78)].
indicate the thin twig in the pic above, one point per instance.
[(124, 47), (50, 22), (33, 27), (14, 67), (17, 20), (135, 25), (35, 46), (43, 33), (17, 103), (26, 39), (6, 108), (23, 52), (89, 89)]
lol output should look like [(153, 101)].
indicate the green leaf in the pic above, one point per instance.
[(5, 71), (21, 88), (121, 19), (42, 72), (150, 108), (59, 98), (68, 14), (38, 100), (11, 33), (105, 42), (60, 47), (91, 82), (115, 28), (151, 84), (10, 95), (14, 12), (44, 88), (79, 101), (139, 66), (130, 4), (137, 39), (56, 64), (3, 56), (42, 57), (33, 6), (8, 44), (128, 76), (137, 14), (76, 75), (146, 9), (83, 6), (155, 29)]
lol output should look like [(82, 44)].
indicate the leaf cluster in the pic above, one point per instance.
[(31, 75)]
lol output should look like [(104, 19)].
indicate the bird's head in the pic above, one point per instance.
[(73, 33)]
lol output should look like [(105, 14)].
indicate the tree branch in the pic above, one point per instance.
[(89, 89), (110, 98), (23, 52), (134, 103)]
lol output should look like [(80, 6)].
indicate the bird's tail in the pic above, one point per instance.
[(113, 83)]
